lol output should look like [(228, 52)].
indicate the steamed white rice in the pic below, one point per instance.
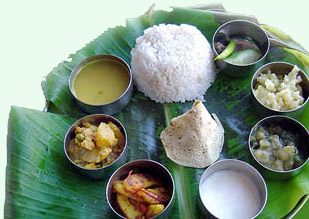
[(172, 63)]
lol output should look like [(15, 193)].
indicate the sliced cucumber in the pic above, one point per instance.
[(244, 57)]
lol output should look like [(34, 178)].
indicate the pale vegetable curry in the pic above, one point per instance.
[(280, 92), (276, 148), (96, 146)]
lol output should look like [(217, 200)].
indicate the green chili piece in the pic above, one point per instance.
[(227, 51)]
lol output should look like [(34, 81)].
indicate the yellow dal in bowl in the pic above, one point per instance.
[(101, 82)]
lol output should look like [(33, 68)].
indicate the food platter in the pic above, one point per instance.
[(50, 174)]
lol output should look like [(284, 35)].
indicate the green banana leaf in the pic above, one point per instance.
[(41, 183)]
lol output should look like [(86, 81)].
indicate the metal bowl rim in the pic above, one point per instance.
[(94, 58), (89, 116), (242, 21), (269, 118), (279, 62)]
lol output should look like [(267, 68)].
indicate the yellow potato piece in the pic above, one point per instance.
[(139, 181), (119, 188), (153, 210), (141, 196), (87, 144), (117, 132), (105, 136), (161, 192), (90, 166), (96, 155), (127, 208), (149, 197)]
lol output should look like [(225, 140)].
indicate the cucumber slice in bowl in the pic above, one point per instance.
[(244, 57)]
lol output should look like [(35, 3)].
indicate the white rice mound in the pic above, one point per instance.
[(172, 63)]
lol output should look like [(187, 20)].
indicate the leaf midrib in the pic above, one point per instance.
[(183, 197)]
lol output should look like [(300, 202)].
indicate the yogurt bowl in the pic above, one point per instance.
[(232, 189)]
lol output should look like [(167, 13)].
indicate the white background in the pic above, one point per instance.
[(36, 35)]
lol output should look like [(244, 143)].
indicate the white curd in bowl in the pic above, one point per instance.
[(230, 194)]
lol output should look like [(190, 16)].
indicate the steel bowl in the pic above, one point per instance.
[(108, 108), (245, 29), (280, 68), (236, 166), (103, 172), (287, 124), (147, 166)]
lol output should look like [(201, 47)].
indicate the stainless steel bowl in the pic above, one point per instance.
[(109, 108), (147, 166), (103, 172), (293, 126), (245, 29), (280, 68), (236, 166)]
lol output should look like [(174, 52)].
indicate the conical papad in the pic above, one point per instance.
[(194, 139)]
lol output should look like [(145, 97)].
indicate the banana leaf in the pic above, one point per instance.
[(41, 183)]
